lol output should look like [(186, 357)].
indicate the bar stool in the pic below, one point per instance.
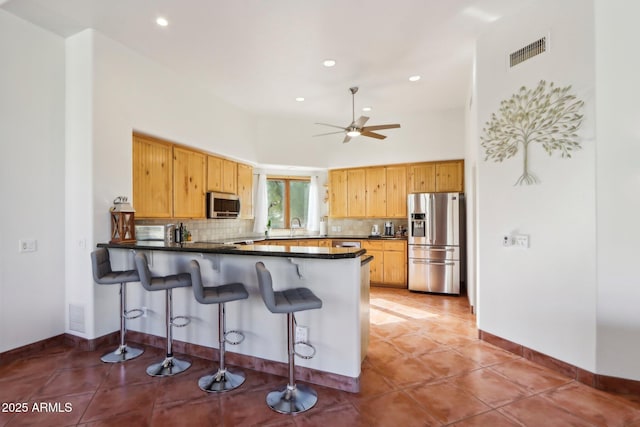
[(170, 365), (292, 398), (104, 275), (224, 379)]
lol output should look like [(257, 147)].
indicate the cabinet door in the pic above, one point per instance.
[(245, 190), (376, 267), (396, 191), (152, 178), (214, 174), (356, 203), (338, 193), (188, 183), (395, 268), (450, 176), (324, 243), (376, 192), (229, 176), (422, 178)]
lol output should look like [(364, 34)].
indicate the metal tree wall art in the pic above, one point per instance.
[(546, 115)]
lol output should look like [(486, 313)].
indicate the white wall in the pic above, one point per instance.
[(114, 92), (31, 183), (543, 297), (428, 135), (618, 187)]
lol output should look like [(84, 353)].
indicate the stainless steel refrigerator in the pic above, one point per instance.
[(436, 242)]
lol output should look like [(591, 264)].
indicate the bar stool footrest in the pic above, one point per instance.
[(239, 334), (182, 321), (302, 355), (134, 313)]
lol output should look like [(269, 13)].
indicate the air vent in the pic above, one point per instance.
[(76, 318), (528, 52)]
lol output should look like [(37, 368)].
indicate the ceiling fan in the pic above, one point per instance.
[(357, 127)]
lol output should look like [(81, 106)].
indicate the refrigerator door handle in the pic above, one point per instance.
[(441, 249), (426, 261), (432, 218)]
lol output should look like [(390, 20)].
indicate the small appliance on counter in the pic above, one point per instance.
[(323, 226), (375, 231), (388, 228)]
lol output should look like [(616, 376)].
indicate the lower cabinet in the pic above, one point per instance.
[(389, 265)]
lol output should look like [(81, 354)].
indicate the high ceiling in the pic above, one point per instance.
[(262, 54)]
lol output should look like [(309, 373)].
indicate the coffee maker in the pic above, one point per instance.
[(388, 228)]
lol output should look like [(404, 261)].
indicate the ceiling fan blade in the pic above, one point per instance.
[(373, 135), (333, 126), (346, 139), (360, 122), (329, 133), (380, 127)]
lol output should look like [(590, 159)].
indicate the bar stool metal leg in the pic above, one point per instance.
[(170, 365), (124, 352), (292, 398), (224, 379)]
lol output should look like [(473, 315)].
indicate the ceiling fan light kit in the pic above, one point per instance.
[(357, 127)]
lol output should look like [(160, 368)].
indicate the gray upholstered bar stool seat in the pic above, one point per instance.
[(223, 379), (170, 365), (292, 398), (104, 275)]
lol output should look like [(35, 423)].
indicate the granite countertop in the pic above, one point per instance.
[(242, 249)]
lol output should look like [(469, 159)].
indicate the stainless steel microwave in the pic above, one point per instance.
[(222, 205)]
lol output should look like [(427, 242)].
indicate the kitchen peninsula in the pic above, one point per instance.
[(338, 276)]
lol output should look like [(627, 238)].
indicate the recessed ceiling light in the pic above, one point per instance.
[(366, 108), (162, 21), (329, 62), (299, 99), (414, 78)]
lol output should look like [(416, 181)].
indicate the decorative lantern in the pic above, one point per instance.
[(123, 227)]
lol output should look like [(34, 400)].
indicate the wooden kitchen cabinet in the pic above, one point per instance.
[(356, 192), (189, 172), (152, 177), (376, 267), (245, 190), (375, 192), (450, 176), (422, 178), (338, 193), (395, 263), (389, 265), (222, 175), (324, 243), (396, 179)]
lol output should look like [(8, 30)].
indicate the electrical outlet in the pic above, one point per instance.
[(302, 334), (507, 240), (521, 240), (27, 245)]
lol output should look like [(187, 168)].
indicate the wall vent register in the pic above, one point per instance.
[(529, 51)]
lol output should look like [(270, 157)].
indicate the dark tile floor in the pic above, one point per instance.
[(425, 367)]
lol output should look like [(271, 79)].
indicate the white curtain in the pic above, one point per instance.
[(261, 208), (313, 213)]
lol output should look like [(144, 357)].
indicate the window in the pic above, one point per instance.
[(288, 198)]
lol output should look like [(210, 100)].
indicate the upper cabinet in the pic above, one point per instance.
[(396, 191), (152, 178), (381, 191), (338, 193), (189, 171), (245, 190), (450, 177), (422, 178), (222, 175), (356, 192), (376, 192), (171, 180)]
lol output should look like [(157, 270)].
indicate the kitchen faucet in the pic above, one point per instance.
[(293, 226)]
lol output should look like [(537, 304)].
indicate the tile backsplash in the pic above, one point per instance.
[(224, 229)]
